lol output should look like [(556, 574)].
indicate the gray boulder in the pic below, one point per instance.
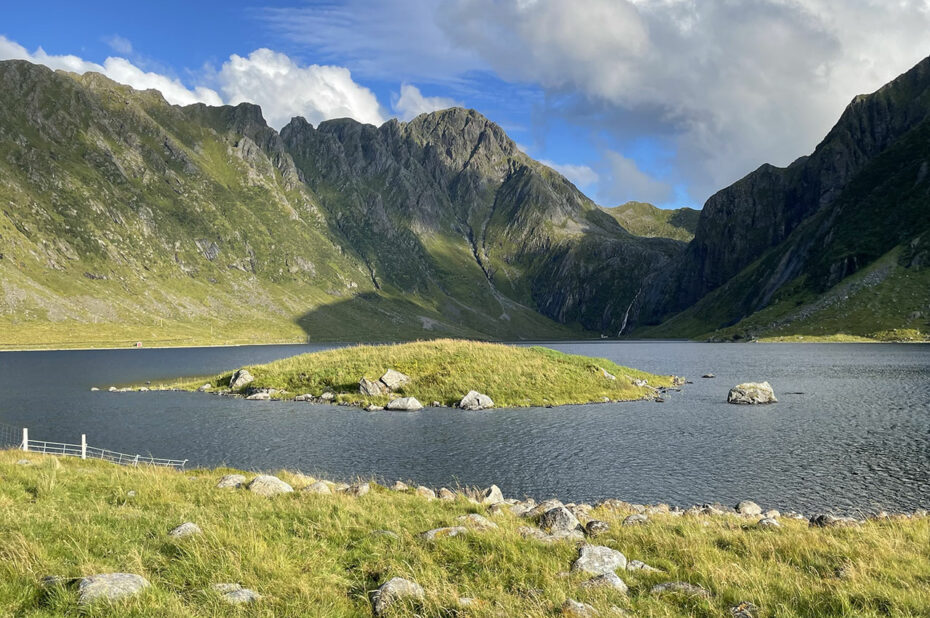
[(559, 521), (690, 590), (597, 560), (442, 533), (425, 492), (607, 580), (768, 522), (186, 529), (396, 589), (491, 495), (825, 520), (235, 594), (240, 379), (476, 401), (752, 393), (596, 527), (259, 396), (267, 485), (371, 388), (231, 481), (744, 609), (318, 487), (575, 609), (748, 507), (639, 565), (110, 587), (393, 380), (405, 404), (476, 521), (358, 489), (446, 494), (636, 519)]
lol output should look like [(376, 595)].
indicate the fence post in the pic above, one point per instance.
[(83, 446), (26, 439)]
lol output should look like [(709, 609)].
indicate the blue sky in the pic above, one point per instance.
[(655, 100)]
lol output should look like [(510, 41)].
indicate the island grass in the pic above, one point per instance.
[(444, 370), (315, 555)]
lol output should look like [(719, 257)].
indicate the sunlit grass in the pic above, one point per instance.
[(444, 370), (312, 555)]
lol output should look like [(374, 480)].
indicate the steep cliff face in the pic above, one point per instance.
[(120, 212), (740, 223), (452, 194), (795, 233)]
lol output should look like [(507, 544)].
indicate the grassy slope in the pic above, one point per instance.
[(645, 219), (313, 555), (445, 370)]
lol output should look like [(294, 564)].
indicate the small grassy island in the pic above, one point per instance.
[(196, 543), (442, 371)]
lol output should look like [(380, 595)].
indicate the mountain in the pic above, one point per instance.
[(836, 242), (123, 217), (644, 219)]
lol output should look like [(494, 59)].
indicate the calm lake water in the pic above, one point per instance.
[(851, 431)]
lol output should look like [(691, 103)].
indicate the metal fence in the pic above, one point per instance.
[(81, 450)]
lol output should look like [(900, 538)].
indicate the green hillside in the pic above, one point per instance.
[(646, 220)]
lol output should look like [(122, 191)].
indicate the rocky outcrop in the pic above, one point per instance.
[(476, 401), (752, 393), (240, 379)]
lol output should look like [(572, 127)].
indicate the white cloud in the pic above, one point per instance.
[(412, 103), (623, 181), (581, 175), (118, 69), (735, 83), (285, 89), (120, 45)]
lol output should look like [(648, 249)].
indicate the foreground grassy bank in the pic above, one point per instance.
[(308, 554), (444, 370)]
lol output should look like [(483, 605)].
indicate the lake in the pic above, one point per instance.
[(851, 431)]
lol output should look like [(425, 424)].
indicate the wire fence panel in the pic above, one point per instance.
[(14, 437), (10, 436)]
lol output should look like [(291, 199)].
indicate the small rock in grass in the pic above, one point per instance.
[(205, 387), (405, 404), (491, 495), (231, 481), (542, 507), (328, 396), (476, 521), (358, 489), (240, 379), (396, 589), (636, 519), (684, 588), (476, 401), (267, 485), (186, 529), (393, 380), (385, 533), (131, 493), (559, 521), (744, 609), (597, 560), (446, 494), (607, 580), (318, 488), (596, 527), (110, 587), (639, 565), (23, 462), (235, 594), (825, 520), (371, 388), (771, 514), (442, 533), (573, 608), (748, 507), (768, 523), (426, 492), (400, 486)]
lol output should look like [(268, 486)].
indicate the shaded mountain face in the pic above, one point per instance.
[(119, 212), (781, 238)]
